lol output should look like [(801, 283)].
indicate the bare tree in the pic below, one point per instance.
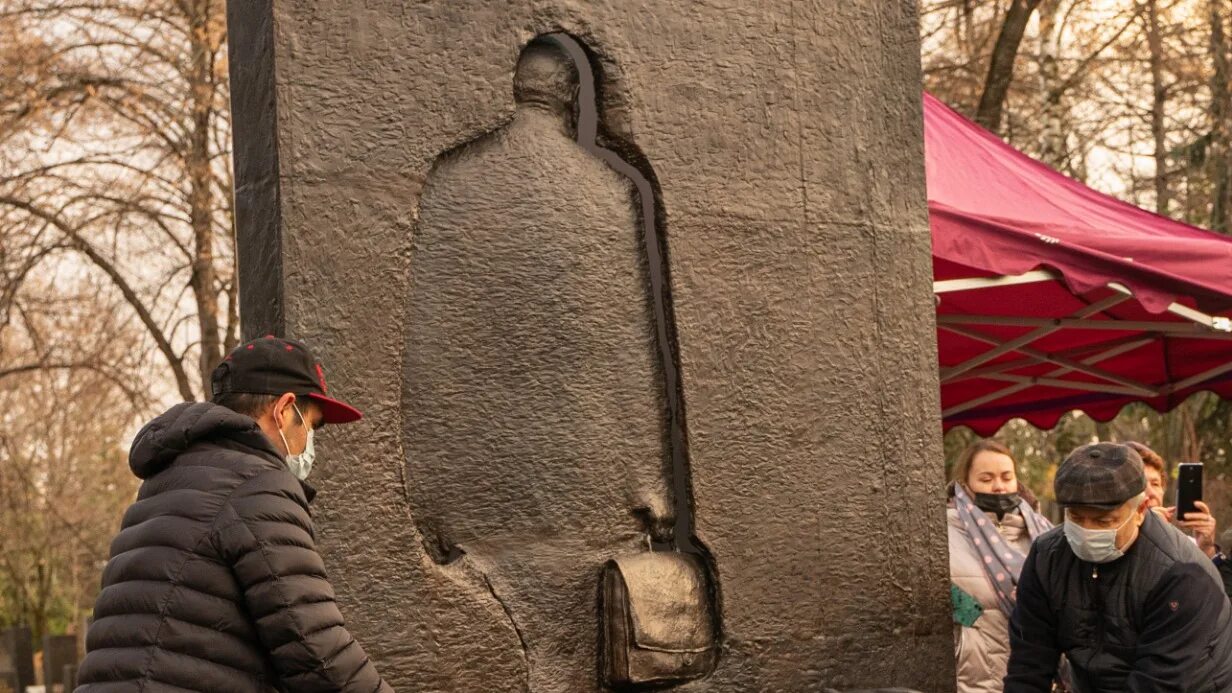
[(117, 273), (115, 136), (1053, 149), (1220, 112), (957, 38), (1159, 102), (63, 415), (1073, 43), (1001, 65)]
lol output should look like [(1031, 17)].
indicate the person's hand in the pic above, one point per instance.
[(1167, 513), (1203, 526)]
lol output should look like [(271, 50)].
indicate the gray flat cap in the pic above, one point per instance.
[(1100, 475)]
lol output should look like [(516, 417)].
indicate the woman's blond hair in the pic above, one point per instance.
[(962, 467)]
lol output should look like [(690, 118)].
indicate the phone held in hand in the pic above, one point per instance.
[(1188, 488)]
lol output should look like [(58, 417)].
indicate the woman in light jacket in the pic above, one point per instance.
[(992, 521)]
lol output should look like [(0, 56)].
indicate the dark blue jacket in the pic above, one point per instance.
[(1154, 620)]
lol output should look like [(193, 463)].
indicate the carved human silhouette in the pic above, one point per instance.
[(533, 393), (535, 423)]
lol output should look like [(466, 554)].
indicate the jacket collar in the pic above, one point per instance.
[(167, 436), (309, 491)]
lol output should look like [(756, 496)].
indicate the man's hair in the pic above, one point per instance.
[(1150, 458), (246, 403), (1137, 500)]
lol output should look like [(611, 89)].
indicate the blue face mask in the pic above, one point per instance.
[(1094, 545), (301, 464)]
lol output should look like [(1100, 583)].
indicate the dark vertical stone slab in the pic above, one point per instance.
[(59, 653), (250, 50), (17, 656), (783, 141)]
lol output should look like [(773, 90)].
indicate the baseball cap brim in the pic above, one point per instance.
[(334, 411)]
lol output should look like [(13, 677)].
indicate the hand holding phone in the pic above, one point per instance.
[(1188, 488)]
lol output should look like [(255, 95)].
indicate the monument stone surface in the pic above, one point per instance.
[(610, 280)]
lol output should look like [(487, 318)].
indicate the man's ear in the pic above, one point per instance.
[(282, 410), (1143, 508)]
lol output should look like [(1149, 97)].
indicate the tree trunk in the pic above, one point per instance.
[(1221, 130), (1052, 137), (204, 279), (1159, 98), (966, 29), (1001, 65), (1192, 443)]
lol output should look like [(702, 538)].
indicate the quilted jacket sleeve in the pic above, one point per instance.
[(266, 536), (1034, 651)]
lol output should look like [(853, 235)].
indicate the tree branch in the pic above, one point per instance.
[(108, 268)]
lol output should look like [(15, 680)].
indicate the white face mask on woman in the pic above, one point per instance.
[(301, 464), (1094, 545)]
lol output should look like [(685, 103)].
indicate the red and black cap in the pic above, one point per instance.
[(274, 366)]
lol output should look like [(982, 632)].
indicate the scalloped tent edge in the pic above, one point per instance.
[(1054, 297)]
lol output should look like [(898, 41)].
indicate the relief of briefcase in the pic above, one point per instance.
[(659, 625)]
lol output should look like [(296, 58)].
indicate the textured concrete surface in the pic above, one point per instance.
[(784, 140)]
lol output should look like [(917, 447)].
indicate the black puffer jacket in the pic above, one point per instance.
[(214, 582), (1154, 620)]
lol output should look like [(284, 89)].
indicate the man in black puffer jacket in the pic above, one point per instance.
[(1128, 599), (214, 582)]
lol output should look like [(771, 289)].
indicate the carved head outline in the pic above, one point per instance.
[(545, 76)]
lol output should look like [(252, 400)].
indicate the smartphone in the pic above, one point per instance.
[(1188, 488)]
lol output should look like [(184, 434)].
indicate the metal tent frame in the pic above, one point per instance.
[(1193, 324)]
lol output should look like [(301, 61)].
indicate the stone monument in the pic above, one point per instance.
[(637, 300), (60, 655), (17, 657)]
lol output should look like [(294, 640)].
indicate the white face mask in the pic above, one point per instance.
[(1094, 545), (301, 464)]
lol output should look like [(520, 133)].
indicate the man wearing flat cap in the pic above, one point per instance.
[(1130, 601), (214, 582)]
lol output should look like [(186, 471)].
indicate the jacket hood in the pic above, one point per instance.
[(160, 441)]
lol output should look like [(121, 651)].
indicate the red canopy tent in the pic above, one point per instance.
[(1053, 297)]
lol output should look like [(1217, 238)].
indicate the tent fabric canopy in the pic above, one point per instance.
[(1054, 297)]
